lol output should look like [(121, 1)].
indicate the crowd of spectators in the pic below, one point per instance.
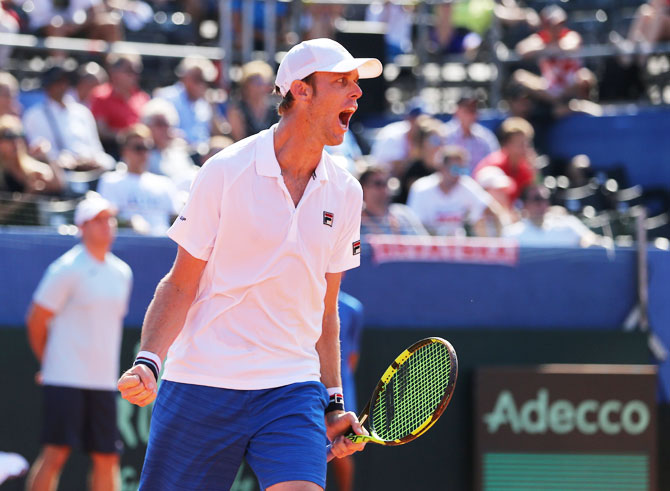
[(100, 126)]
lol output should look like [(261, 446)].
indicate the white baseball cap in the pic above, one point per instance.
[(322, 55), (90, 207)]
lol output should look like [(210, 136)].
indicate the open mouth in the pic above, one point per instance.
[(345, 117)]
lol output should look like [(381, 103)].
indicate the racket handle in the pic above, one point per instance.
[(329, 454)]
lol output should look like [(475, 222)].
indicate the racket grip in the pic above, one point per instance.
[(329, 452)]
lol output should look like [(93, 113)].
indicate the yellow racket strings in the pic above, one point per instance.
[(413, 394)]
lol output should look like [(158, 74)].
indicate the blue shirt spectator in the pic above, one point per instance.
[(463, 131), (188, 98)]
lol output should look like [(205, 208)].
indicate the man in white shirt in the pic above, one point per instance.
[(68, 127), (75, 325), (248, 313), (449, 199), (544, 226), (464, 131), (146, 202)]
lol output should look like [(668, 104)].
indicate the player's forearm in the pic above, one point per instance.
[(328, 348), (165, 316)]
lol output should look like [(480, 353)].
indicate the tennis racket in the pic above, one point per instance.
[(411, 395)]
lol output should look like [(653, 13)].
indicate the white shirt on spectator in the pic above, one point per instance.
[(89, 300), (558, 230), (43, 11), (258, 314), (390, 144), (70, 127), (446, 213), (154, 198), (480, 143)]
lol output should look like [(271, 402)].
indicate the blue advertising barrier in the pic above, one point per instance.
[(547, 289)]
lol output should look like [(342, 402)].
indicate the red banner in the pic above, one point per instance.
[(480, 250)]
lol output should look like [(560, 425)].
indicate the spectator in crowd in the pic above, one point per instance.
[(75, 325), (350, 311), (21, 173), (380, 216), (9, 91), (116, 105), (563, 82), (396, 144), (398, 19), (254, 108), (515, 157), (447, 38), (67, 126), (169, 155), (75, 18), (188, 97), (543, 225), (89, 76), (449, 199), (429, 139), (146, 202), (464, 131)]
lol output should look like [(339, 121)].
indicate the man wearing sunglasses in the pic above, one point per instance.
[(146, 202), (448, 200)]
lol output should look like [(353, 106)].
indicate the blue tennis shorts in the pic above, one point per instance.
[(199, 436)]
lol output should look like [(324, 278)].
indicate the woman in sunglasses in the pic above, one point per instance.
[(21, 173)]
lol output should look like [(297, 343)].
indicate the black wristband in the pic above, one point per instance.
[(336, 403), (152, 366)]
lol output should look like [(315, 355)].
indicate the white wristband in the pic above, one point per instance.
[(334, 390), (151, 356)]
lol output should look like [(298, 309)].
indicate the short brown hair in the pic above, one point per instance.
[(514, 126), (287, 101)]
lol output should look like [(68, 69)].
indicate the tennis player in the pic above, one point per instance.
[(248, 313)]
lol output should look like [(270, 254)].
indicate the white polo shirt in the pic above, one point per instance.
[(89, 300), (257, 315)]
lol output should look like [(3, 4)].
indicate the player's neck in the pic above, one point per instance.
[(97, 250), (297, 154)]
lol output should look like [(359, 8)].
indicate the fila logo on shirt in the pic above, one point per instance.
[(356, 246), (328, 218)]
